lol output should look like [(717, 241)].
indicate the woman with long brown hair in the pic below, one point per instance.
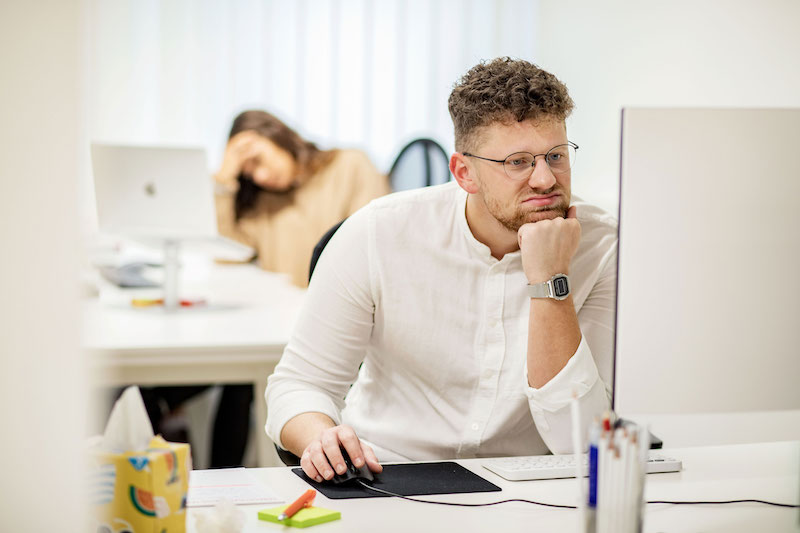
[(279, 193)]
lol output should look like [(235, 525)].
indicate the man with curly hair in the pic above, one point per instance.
[(459, 320)]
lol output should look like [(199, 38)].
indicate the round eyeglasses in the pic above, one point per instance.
[(519, 165)]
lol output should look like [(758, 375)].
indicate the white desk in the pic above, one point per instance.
[(238, 344), (761, 471)]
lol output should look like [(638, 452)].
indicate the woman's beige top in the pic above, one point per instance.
[(285, 227)]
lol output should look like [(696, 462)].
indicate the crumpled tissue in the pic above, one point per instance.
[(224, 517)]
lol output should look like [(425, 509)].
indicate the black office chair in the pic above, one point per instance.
[(288, 458), (420, 163), (323, 241)]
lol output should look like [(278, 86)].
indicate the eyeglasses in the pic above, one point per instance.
[(519, 165)]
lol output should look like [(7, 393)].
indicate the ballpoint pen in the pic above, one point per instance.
[(305, 500)]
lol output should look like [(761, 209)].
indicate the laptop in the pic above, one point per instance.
[(158, 194)]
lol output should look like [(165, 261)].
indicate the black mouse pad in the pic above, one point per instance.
[(415, 479)]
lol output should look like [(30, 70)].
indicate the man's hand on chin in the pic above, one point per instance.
[(547, 246)]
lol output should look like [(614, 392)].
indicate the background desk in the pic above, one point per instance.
[(238, 344), (764, 471)]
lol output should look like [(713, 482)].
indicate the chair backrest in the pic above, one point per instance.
[(323, 241), (287, 457), (420, 163)]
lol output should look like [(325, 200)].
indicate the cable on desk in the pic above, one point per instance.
[(462, 504), (454, 504), (789, 505)]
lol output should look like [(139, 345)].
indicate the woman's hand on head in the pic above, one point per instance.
[(240, 148)]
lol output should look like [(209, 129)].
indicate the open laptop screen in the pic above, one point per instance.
[(153, 192)]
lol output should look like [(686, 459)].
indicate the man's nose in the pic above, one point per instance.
[(541, 177)]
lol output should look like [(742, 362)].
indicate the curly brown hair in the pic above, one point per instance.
[(504, 90)]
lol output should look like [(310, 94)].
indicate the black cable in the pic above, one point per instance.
[(462, 504), (361, 482), (789, 505)]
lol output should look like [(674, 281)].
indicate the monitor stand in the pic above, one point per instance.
[(171, 267)]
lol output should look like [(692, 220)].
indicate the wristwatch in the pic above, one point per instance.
[(556, 287)]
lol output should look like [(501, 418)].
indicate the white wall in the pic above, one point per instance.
[(42, 381), (679, 53), (359, 73), (375, 74), (343, 72)]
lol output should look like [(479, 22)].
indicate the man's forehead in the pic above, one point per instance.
[(529, 128)]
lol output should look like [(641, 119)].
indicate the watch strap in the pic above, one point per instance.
[(541, 290)]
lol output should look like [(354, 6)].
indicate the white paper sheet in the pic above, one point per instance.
[(208, 487)]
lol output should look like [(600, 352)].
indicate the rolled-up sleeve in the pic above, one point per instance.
[(588, 373)]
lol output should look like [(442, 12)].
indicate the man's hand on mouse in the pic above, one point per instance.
[(323, 455)]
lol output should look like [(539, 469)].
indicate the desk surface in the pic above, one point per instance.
[(248, 309), (767, 471), (238, 338)]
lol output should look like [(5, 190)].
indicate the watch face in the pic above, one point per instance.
[(561, 287)]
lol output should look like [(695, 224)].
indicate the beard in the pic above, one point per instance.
[(514, 218)]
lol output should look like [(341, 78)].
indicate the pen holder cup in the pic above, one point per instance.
[(142, 491), (616, 502)]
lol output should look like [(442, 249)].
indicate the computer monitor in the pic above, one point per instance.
[(708, 302)]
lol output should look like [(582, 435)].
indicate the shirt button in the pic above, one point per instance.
[(492, 322), (475, 426)]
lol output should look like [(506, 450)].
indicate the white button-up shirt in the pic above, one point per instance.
[(442, 329)]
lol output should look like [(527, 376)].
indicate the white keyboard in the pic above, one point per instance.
[(562, 466)]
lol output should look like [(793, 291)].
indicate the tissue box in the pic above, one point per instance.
[(141, 491)]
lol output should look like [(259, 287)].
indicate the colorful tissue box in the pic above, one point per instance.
[(141, 491)]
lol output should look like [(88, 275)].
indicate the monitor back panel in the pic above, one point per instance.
[(708, 303), (153, 191)]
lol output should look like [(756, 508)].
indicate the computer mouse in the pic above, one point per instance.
[(363, 473)]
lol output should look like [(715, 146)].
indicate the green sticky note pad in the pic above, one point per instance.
[(308, 516)]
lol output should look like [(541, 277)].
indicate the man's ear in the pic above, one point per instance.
[(463, 173)]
